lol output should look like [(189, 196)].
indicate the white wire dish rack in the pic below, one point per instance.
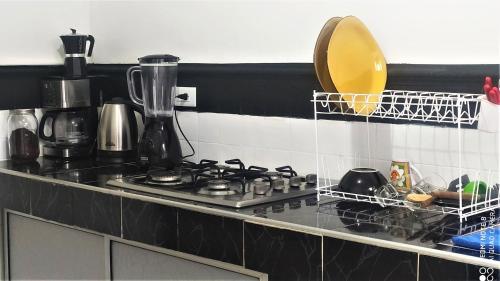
[(457, 109), (436, 107)]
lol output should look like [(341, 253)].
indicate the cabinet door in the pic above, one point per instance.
[(134, 263), (40, 250)]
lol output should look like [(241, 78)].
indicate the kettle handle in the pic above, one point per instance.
[(91, 39), (131, 85)]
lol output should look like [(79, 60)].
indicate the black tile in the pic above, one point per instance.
[(345, 260), (97, 211), (436, 269), (98, 175), (15, 192), (150, 223), (283, 254), (211, 236), (52, 202)]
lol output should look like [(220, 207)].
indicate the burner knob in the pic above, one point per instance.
[(311, 179), (295, 181), (260, 187), (278, 184)]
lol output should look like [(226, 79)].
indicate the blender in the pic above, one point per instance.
[(159, 145)]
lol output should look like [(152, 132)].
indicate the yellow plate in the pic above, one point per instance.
[(321, 62), (320, 59), (356, 65)]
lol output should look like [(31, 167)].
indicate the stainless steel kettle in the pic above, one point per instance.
[(117, 133)]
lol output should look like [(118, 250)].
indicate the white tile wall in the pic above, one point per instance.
[(274, 141)]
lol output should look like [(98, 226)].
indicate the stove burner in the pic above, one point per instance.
[(206, 191), (218, 184), (219, 169), (163, 177), (217, 187)]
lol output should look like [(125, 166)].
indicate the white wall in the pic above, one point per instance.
[(236, 31), (29, 30), (240, 31)]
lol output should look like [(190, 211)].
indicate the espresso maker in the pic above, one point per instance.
[(75, 45), (159, 145)]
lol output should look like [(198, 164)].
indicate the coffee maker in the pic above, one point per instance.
[(159, 145), (69, 124)]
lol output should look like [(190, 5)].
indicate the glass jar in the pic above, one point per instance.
[(22, 127)]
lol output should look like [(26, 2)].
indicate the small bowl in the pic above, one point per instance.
[(363, 181)]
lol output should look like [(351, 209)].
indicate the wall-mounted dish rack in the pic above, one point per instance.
[(403, 105), (437, 108)]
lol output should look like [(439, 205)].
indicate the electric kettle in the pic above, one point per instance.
[(118, 131)]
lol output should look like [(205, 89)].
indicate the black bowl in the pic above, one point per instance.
[(363, 181)]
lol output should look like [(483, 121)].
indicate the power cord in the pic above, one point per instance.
[(182, 133)]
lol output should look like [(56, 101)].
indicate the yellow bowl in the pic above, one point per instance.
[(356, 65)]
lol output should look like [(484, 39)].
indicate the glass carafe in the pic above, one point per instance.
[(65, 127), (159, 79)]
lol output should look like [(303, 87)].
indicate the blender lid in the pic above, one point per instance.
[(158, 59)]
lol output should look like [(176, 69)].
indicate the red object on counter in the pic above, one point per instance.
[(487, 88), (494, 95), (488, 81)]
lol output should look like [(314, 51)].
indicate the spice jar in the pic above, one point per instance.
[(22, 135)]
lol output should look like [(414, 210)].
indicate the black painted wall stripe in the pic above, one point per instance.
[(276, 89)]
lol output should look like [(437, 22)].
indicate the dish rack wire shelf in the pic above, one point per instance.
[(437, 108)]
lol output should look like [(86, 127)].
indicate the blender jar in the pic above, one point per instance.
[(158, 79)]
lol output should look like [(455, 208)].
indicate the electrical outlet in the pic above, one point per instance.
[(191, 97)]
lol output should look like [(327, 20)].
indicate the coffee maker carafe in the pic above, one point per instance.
[(159, 145), (75, 46)]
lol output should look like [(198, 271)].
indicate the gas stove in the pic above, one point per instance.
[(230, 184)]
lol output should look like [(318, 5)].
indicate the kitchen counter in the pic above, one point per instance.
[(398, 229)]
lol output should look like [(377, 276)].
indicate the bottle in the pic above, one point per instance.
[(22, 127)]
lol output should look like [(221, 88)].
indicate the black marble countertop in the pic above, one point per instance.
[(398, 228)]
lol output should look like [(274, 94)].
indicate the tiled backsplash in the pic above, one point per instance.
[(276, 141)]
